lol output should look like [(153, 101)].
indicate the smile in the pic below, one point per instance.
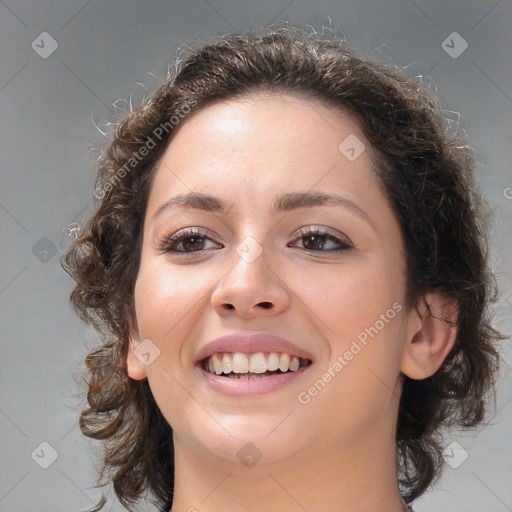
[(242, 375), (239, 365), (248, 364)]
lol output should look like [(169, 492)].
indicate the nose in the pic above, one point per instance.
[(250, 288)]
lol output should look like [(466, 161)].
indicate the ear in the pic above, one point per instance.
[(432, 335), (134, 367)]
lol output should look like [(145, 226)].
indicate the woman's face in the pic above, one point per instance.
[(283, 231)]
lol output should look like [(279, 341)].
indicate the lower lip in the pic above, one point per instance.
[(244, 387)]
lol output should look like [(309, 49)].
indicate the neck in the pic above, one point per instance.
[(355, 478)]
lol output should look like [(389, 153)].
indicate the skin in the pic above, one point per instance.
[(336, 452)]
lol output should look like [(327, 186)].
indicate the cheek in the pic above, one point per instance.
[(361, 311), (365, 334), (167, 300), (350, 299)]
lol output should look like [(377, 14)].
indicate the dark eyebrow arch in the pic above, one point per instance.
[(195, 201), (284, 203)]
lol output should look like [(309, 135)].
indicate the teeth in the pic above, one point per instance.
[(284, 362), (272, 362), (217, 363), (258, 363), (240, 363), (294, 364), (227, 366)]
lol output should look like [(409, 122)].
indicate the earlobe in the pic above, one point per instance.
[(428, 345), (134, 367)]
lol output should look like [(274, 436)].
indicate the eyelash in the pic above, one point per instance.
[(169, 243)]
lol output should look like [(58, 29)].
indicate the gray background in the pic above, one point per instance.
[(52, 111)]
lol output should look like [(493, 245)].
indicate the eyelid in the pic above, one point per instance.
[(173, 239), (323, 230), (340, 238), (176, 237)]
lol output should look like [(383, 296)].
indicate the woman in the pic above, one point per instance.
[(288, 267)]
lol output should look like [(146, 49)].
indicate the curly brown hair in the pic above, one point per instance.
[(425, 172)]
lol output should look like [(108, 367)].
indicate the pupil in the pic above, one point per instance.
[(191, 245), (311, 238)]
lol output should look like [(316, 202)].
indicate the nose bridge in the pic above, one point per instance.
[(250, 280), (250, 264)]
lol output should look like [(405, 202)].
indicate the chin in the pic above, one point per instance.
[(247, 439)]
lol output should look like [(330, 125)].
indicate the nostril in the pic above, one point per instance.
[(266, 305)]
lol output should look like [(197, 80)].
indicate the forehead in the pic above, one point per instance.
[(265, 141)]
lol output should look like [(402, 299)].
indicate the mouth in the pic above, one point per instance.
[(244, 365), (259, 365)]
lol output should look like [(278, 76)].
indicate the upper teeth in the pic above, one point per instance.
[(239, 362)]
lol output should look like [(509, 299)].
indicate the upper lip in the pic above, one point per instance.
[(251, 343)]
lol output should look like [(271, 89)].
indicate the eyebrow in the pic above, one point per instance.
[(285, 203)]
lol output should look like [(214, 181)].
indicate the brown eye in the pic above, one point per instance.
[(314, 241), (186, 241), (320, 241), (192, 243)]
